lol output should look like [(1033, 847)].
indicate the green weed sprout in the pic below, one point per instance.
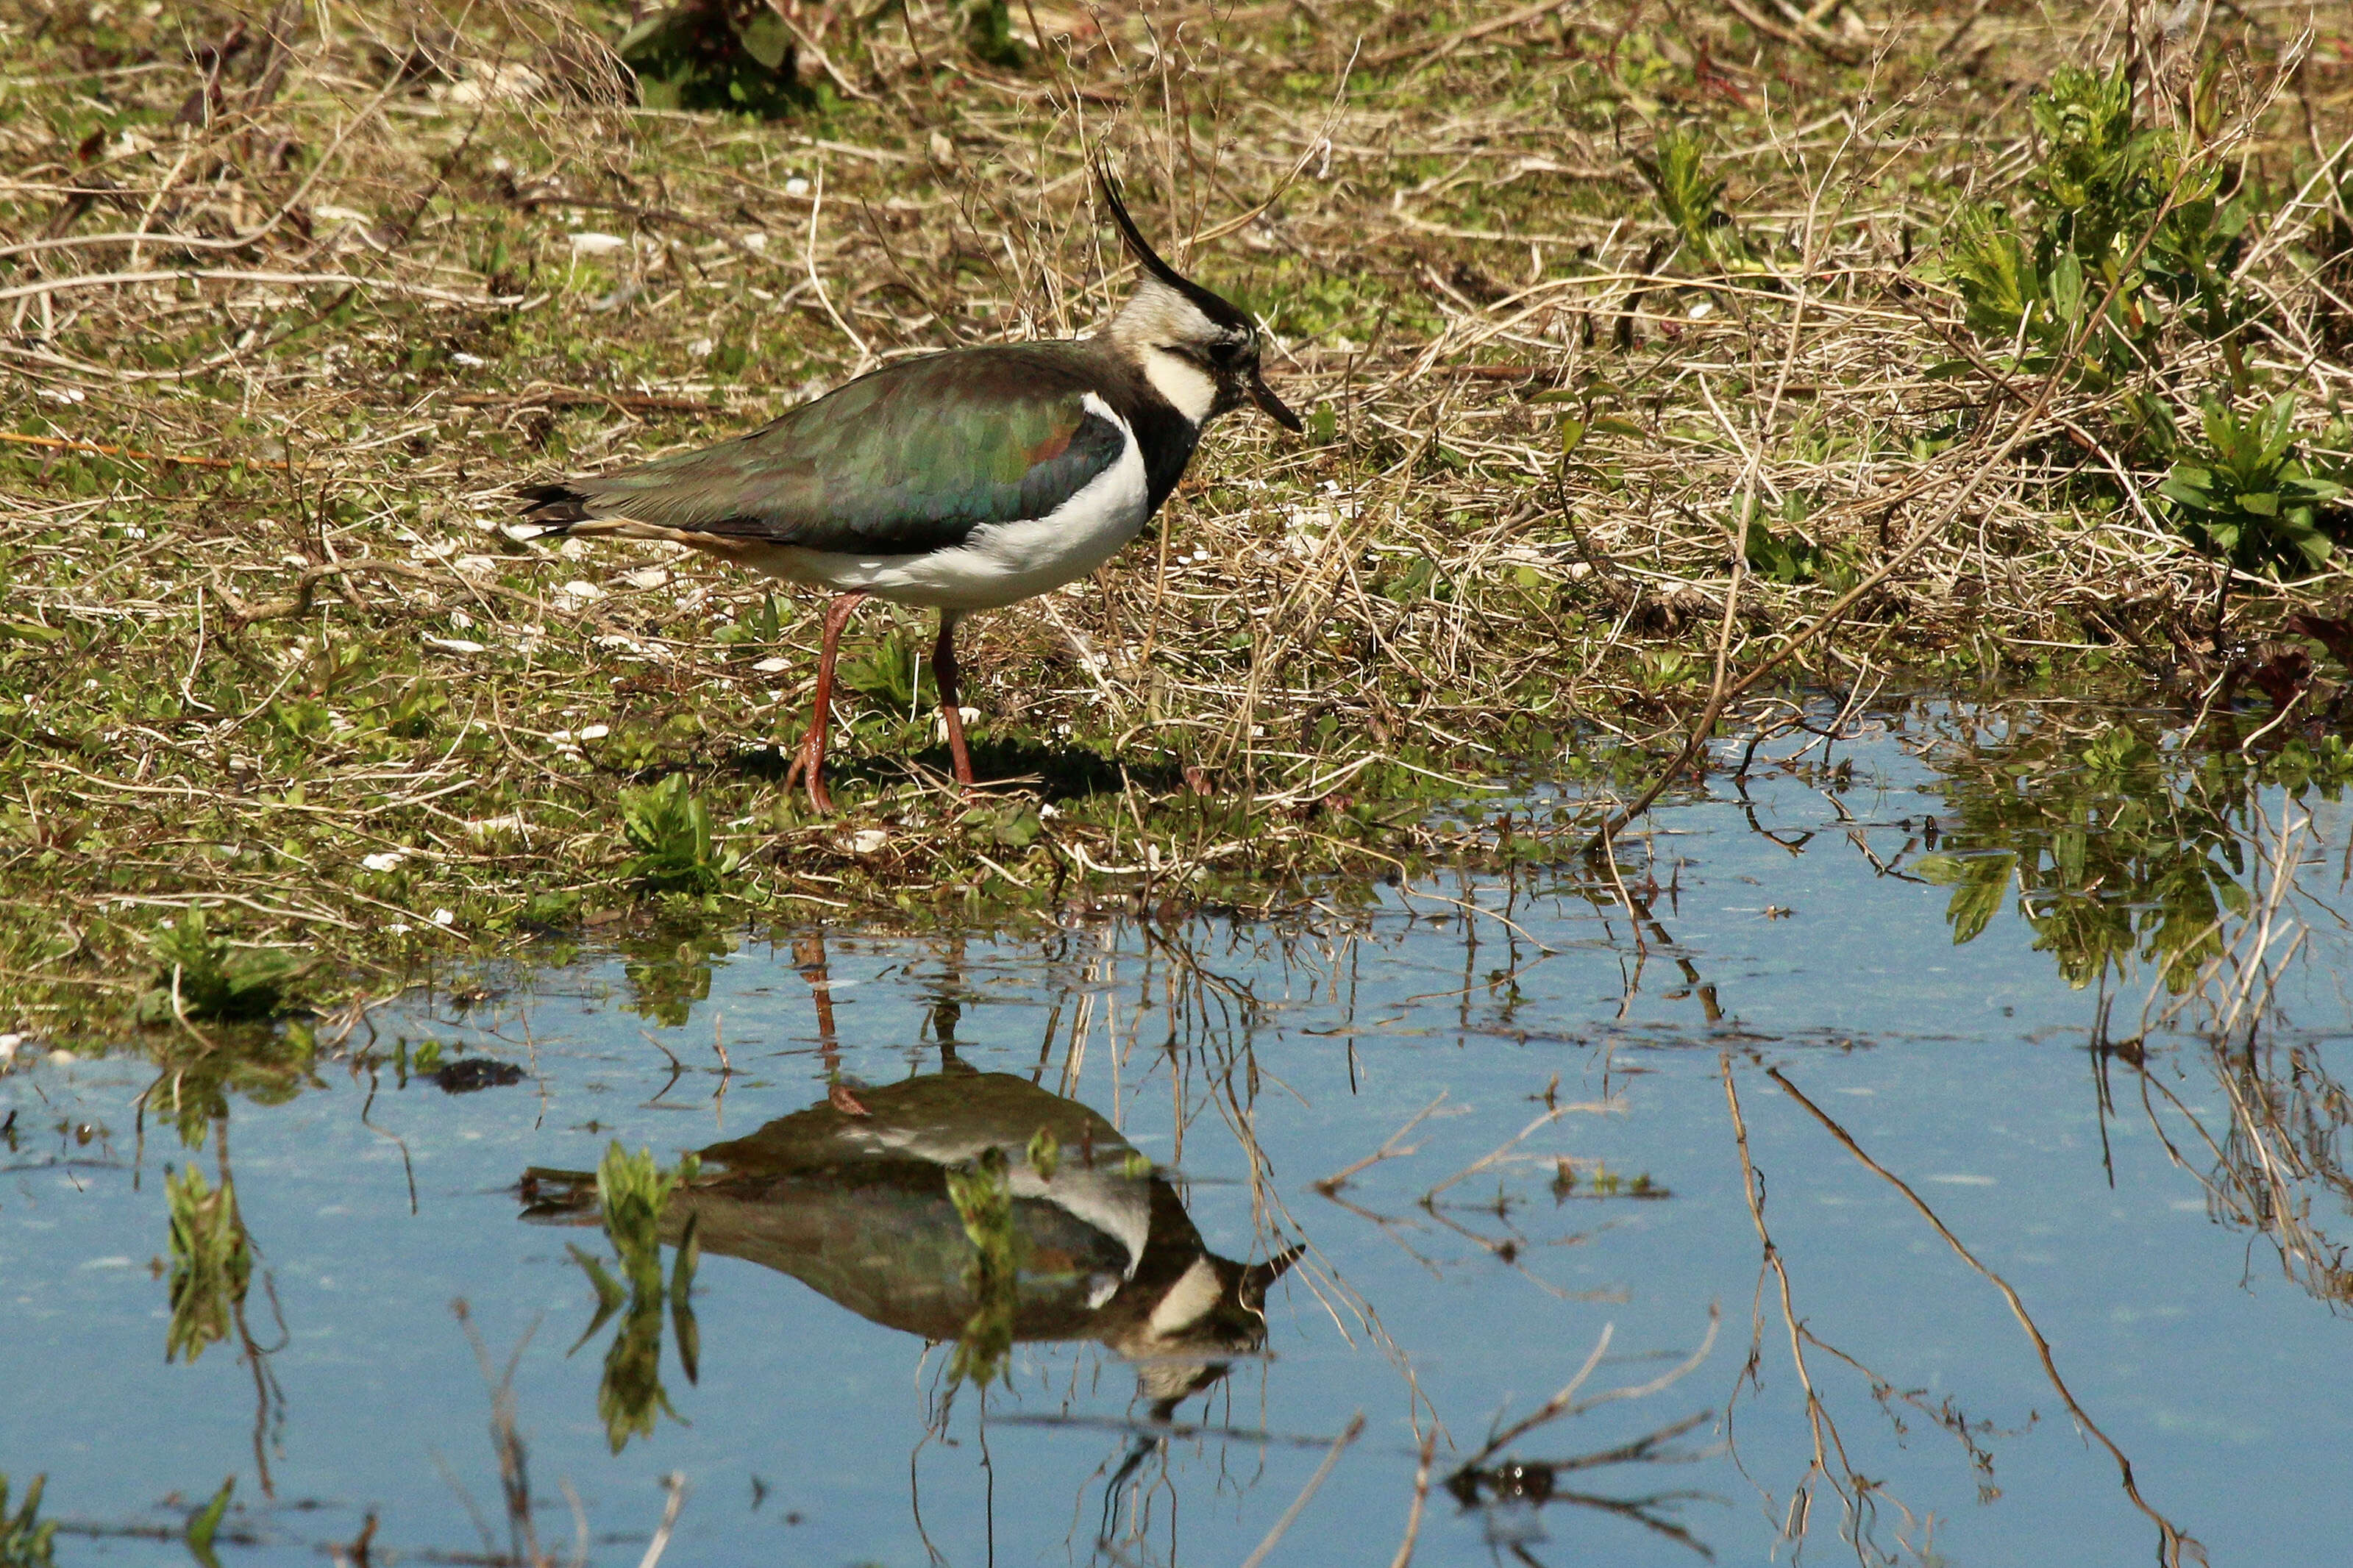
[(1693, 202), (988, 34), (25, 1541), (2249, 498), (983, 1194), (213, 981), (714, 57), (632, 1192), (211, 1264), (670, 827)]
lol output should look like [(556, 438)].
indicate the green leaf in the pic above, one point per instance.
[(205, 1523), (1977, 896)]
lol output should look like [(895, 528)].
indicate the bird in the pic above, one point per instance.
[(959, 481)]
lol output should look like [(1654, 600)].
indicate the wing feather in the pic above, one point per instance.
[(912, 457)]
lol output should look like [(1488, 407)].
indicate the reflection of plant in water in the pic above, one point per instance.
[(2286, 1140), (668, 976), (631, 1192), (1860, 1497), (25, 1541), (2290, 1118), (983, 1194), (211, 1265), (2117, 852), (194, 1079)]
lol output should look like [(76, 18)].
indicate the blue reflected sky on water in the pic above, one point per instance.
[(1254, 1058)]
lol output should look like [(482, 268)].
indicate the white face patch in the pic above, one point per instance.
[(1193, 1297), (1184, 384)]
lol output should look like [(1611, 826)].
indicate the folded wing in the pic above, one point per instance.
[(910, 458)]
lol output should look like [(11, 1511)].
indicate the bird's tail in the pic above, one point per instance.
[(555, 507), (558, 1197)]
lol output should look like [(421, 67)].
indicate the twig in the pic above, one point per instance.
[(1314, 1483), (59, 444), (1420, 1497), (2174, 1547), (660, 1542)]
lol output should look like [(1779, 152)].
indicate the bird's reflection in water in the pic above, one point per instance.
[(857, 1196), (969, 1207)]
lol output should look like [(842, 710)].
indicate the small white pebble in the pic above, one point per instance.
[(699, 348), (796, 186)]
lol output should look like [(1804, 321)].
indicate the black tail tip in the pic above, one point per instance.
[(554, 507)]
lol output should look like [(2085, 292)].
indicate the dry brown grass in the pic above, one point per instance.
[(285, 322)]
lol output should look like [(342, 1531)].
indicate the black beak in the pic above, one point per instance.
[(1272, 405)]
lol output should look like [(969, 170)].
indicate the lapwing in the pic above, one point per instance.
[(960, 481)]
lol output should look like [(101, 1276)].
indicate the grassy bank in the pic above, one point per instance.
[(1631, 347)]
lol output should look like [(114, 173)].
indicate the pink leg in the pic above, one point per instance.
[(809, 760), (944, 673)]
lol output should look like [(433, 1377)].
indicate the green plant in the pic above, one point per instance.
[(25, 1541), (415, 711), (203, 977), (205, 1523), (2033, 280), (988, 34), (670, 827), (2249, 498), (891, 673), (631, 1194), (211, 1264), (715, 54), (982, 1192), (1692, 201), (1789, 557)]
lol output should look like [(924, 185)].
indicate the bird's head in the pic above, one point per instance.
[(1197, 348)]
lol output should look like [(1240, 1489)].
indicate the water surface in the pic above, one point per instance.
[(1533, 1088)]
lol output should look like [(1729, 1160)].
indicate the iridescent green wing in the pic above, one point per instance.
[(912, 457)]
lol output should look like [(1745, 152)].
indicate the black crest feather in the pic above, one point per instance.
[(1213, 306)]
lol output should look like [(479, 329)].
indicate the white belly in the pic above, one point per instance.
[(1002, 562)]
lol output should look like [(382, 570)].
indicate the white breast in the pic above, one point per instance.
[(1003, 563)]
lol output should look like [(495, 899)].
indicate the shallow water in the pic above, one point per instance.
[(2157, 1214)]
